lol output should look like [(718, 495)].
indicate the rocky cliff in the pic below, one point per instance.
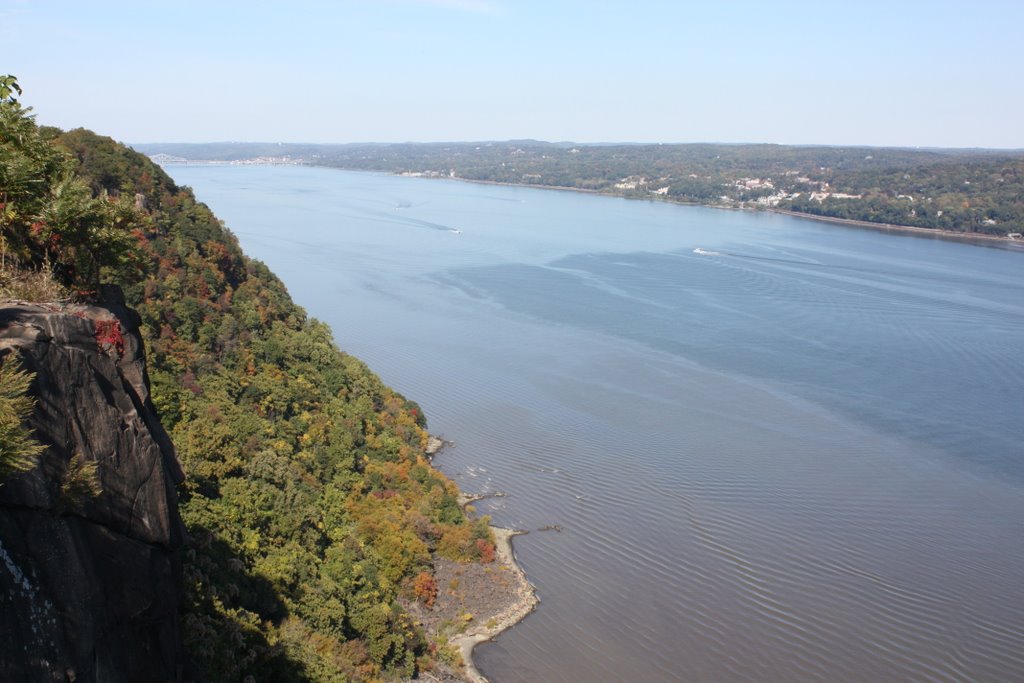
[(90, 572)]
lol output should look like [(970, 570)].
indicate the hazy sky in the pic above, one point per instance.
[(899, 72)]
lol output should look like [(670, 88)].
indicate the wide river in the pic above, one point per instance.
[(770, 449)]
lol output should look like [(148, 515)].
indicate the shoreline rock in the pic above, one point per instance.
[(434, 445)]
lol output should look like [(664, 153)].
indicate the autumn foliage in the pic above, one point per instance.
[(425, 588), (312, 512), (109, 337)]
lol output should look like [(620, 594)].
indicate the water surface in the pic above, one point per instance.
[(793, 455)]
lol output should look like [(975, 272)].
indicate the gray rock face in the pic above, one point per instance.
[(89, 583)]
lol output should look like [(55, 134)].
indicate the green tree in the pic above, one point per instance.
[(9, 86), (50, 219)]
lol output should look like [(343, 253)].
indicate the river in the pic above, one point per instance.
[(770, 449)]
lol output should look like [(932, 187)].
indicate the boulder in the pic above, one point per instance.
[(90, 574)]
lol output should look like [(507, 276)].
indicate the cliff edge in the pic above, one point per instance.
[(90, 567)]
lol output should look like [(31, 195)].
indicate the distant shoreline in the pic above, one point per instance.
[(937, 233)]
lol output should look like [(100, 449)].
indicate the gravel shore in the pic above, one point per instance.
[(475, 603)]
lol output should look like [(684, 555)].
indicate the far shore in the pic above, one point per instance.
[(979, 239), (937, 233)]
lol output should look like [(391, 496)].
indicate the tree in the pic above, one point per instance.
[(8, 86), (49, 218)]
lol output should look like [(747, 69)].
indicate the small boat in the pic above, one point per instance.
[(705, 252)]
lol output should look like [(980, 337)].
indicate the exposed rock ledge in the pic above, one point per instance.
[(89, 585)]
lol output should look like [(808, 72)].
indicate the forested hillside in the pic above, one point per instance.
[(311, 510)]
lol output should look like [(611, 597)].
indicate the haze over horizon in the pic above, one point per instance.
[(911, 74)]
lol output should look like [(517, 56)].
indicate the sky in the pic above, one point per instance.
[(896, 73)]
